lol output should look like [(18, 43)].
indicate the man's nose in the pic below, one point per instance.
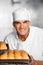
[(21, 26)]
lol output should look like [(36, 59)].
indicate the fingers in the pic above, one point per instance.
[(34, 62)]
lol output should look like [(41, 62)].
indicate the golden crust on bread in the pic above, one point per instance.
[(2, 45), (24, 54), (17, 54), (10, 54), (14, 54), (3, 56)]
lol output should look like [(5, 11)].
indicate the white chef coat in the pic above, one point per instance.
[(33, 43)]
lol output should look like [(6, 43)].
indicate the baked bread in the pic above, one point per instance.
[(17, 54), (2, 45), (24, 54), (3, 56), (10, 54)]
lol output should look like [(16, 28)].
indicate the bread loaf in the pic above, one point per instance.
[(2, 45), (15, 54), (3, 56), (24, 54), (10, 54)]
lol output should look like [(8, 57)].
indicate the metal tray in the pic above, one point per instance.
[(15, 61)]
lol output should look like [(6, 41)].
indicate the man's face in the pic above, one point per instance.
[(22, 27)]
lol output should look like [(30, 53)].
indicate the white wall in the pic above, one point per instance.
[(4, 32), (5, 18), (5, 13)]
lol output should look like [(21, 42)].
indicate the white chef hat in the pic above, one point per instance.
[(21, 14)]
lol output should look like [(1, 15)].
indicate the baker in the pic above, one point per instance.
[(25, 36)]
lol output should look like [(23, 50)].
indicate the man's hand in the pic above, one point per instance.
[(34, 62)]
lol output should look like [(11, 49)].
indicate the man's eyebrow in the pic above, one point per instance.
[(23, 21), (16, 22), (26, 21)]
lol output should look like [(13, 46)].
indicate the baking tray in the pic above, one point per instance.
[(15, 61)]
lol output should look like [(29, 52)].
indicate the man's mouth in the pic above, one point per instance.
[(22, 30)]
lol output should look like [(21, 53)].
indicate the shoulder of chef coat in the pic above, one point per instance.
[(38, 33), (10, 36)]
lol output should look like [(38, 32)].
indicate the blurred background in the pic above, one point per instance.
[(8, 6)]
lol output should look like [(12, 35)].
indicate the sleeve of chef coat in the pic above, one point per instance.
[(10, 40), (6, 40)]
